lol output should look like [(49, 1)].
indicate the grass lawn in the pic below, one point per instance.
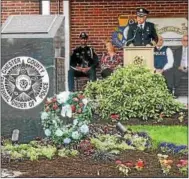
[(174, 134)]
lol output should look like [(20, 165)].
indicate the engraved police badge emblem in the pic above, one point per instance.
[(24, 82)]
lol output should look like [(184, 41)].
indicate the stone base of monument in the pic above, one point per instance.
[(32, 63)]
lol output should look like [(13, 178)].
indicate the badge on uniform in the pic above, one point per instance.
[(89, 53), (77, 54)]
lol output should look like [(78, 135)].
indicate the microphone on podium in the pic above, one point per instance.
[(132, 37)]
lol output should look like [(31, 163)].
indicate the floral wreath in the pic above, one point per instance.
[(60, 109)]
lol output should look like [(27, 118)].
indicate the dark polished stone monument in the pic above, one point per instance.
[(24, 38)]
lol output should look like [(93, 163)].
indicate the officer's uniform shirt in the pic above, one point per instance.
[(83, 57)]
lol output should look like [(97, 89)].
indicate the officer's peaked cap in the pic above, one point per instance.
[(141, 12), (83, 35)]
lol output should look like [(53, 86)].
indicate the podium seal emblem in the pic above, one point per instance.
[(24, 82)]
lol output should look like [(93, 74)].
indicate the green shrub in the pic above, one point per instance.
[(133, 92)]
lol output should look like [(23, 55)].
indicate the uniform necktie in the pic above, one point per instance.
[(141, 27)]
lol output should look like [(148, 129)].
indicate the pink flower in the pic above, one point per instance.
[(128, 164), (179, 165), (54, 100), (183, 162), (118, 162)]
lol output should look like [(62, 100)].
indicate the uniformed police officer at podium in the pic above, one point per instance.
[(142, 33), (83, 62)]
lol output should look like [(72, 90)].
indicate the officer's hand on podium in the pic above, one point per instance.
[(153, 43), (131, 45), (148, 45)]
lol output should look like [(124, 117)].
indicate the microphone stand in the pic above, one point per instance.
[(131, 38)]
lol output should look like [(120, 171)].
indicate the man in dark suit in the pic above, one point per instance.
[(180, 63), (83, 62), (141, 33)]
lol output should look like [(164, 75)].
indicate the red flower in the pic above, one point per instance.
[(55, 107), (140, 164), (73, 108), (114, 116), (118, 162)]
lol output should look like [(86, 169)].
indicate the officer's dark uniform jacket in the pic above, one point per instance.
[(142, 37), (84, 57)]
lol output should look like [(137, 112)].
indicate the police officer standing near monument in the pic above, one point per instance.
[(141, 33), (83, 62)]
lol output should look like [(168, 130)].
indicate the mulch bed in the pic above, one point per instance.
[(166, 121), (84, 166)]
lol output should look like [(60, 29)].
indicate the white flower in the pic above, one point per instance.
[(55, 123), (84, 129), (66, 111), (75, 135), (58, 133), (47, 132), (75, 122), (44, 115), (63, 97), (85, 101), (67, 140)]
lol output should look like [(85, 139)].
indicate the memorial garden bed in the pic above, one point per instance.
[(84, 166), (94, 134)]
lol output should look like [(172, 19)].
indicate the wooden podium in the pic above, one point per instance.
[(139, 55)]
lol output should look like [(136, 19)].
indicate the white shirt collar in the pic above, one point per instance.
[(184, 47), (139, 25), (159, 48)]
